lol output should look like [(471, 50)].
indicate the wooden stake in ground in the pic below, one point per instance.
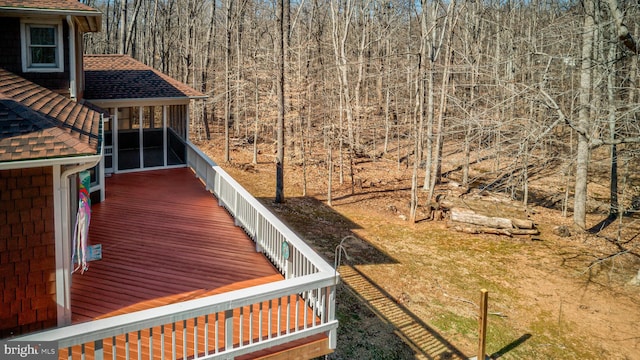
[(482, 323)]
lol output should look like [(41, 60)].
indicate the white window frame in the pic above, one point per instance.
[(25, 39)]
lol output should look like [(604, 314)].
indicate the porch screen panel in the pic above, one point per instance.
[(153, 147), (176, 134), (128, 138), (108, 143)]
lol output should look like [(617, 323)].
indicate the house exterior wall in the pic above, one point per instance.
[(27, 251), (11, 57)]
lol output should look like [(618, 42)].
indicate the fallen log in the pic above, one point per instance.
[(488, 230), (473, 229), (465, 228), (522, 224), (470, 217), (524, 231)]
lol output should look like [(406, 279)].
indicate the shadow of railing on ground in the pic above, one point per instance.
[(325, 229), (425, 341)]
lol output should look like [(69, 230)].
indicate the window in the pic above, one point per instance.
[(42, 47)]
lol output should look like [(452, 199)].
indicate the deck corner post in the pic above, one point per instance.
[(331, 315)]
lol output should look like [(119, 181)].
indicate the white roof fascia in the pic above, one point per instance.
[(61, 12), (106, 103), (95, 16), (24, 164)]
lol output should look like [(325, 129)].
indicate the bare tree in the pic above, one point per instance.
[(281, 40)]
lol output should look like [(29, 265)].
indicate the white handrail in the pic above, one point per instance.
[(167, 314), (213, 176)]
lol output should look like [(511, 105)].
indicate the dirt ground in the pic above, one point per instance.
[(549, 297)]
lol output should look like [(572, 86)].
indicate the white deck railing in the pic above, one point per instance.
[(226, 325)]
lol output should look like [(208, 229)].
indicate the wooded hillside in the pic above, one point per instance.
[(519, 87)]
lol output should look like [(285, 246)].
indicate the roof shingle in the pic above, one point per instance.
[(36, 123), (110, 77)]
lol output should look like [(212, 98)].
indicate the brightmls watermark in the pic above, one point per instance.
[(31, 350)]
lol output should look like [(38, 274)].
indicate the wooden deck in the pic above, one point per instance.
[(164, 240)]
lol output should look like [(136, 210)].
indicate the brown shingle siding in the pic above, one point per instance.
[(27, 253), (10, 40), (11, 56)]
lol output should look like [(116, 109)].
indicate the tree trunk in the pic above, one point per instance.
[(584, 117), (227, 80), (280, 64), (123, 27), (613, 181)]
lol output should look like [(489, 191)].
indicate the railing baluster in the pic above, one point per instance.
[(150, 343), (228, 329), (323, 314), (98, 352), (216, 334), (173, 341), (206, 335), (195, 337), (126, 346), (113, 347), (162, 340), (269, 318), (184, 339), (297, 317), (305, 297), (260, 336), (314, 302), (241, 327), (288, 322), (278, 331), (250, 324)]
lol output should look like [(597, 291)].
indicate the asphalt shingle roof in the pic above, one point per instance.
[(73, 5), (122, 77), (36, 123), (89, 19)]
